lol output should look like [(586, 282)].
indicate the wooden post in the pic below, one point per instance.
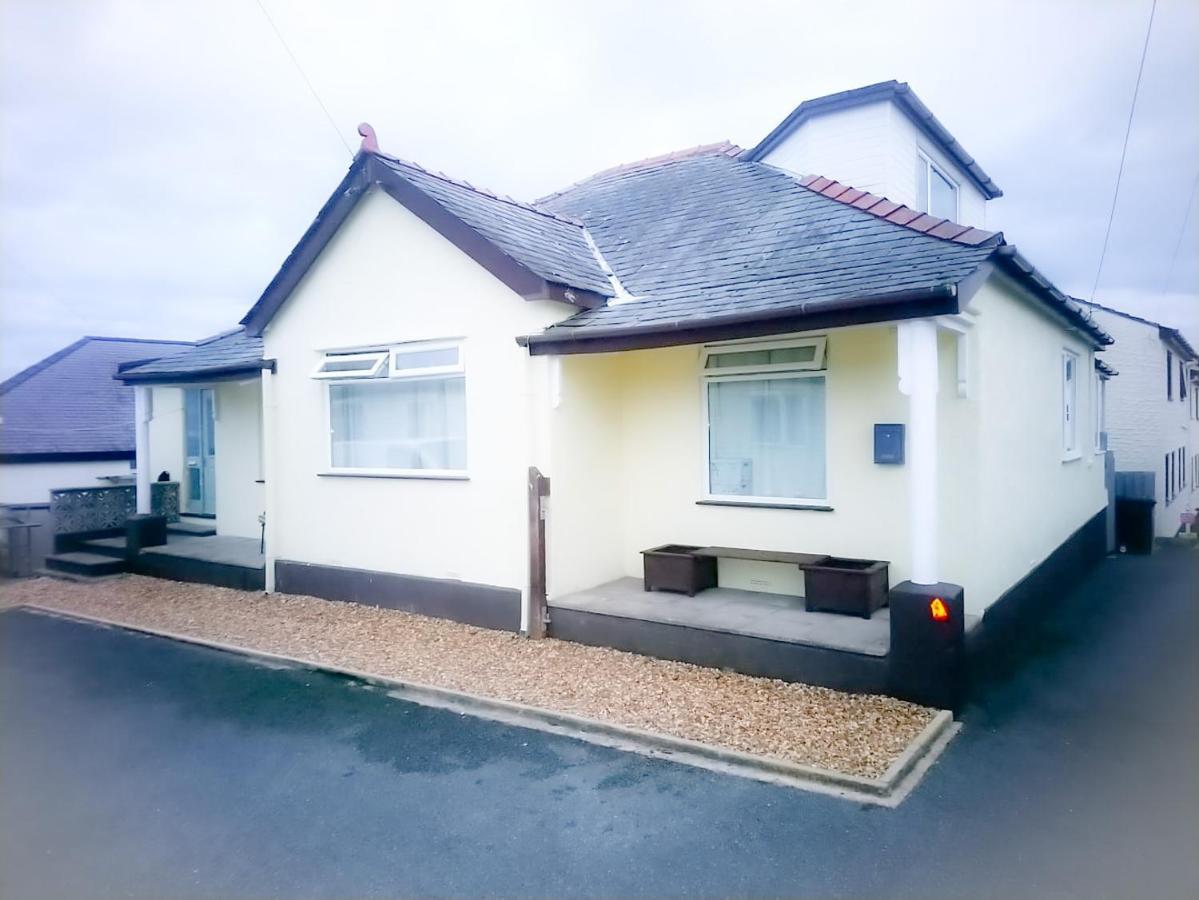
[(539, 489)]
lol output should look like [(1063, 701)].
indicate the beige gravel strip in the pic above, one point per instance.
[(855, 734)]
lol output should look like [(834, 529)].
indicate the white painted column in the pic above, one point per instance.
[(269, 438), (141, 416), (918, 380)]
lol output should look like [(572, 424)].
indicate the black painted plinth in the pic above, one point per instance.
[(926, 659), (144, 530)]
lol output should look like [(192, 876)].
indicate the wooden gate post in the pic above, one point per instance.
[(539, 489)]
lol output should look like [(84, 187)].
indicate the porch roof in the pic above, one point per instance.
[(233, 354)]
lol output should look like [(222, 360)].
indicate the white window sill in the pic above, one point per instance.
[(766, 503), (1072, 457), (417, 474)]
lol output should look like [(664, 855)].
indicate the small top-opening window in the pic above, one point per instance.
[(799, 355), (351, 365), (936, 192)]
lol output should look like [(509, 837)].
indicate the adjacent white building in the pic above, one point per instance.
[(1152, 410)]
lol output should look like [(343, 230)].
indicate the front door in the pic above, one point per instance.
[(200, 448)]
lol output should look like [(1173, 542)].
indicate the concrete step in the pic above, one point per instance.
[(192, 527), (80, 562), (113, 547)]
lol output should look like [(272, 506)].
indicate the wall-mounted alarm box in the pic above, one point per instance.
[(888, 445)]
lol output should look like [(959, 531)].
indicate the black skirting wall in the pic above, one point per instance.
[(199, 571), (474, 604), (840, 669), (1001, 639)]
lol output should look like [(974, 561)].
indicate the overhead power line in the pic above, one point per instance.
[(1186, 218), (312, 90), (1124, 150)]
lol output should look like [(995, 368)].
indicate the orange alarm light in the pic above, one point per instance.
[(938, 610)]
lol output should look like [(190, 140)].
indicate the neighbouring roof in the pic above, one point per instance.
[(537, 253), (233, 354), (1170, 335), (708, 238), (68, 405), (907, 101), (1104, 369)]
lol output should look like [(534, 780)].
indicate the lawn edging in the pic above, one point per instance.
[(889, 789)]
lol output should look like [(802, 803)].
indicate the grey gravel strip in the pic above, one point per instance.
[(888, 790)]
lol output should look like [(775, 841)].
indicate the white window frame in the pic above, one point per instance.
[(1068, 414), (398, 371), (815, 364), (816, 368), (386, 354), (379, 357), (1099, 411), (928, 193)]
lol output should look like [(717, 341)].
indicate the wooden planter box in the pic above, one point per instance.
[(855, 587), (674, 567)]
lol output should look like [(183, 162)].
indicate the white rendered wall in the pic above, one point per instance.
[(240, 495), (1142, 424), (388, 277), (32, 482), (873, 148), (1024, 500), (166, 434)]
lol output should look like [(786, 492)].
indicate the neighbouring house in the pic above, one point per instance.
[(723, 348), (1152, 412), (65, 423)]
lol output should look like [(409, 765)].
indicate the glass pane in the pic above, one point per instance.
[(738, 358), (399, 424), (921, 184), (426, 359), (766, 438), (778, 356), (349, 364), (943, 199)]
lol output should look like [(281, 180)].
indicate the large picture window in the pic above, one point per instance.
[(407, 416), (766, 422)]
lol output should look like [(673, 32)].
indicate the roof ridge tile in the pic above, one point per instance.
[(897, 213)]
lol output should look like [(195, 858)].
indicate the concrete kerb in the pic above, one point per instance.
[(888, 790)]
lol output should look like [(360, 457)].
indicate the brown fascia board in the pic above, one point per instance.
[(935, 301), (1015, 264), (367, 172)]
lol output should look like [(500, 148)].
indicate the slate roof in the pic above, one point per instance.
[(551, 245), (226, 355), (70, 404), (701, 236), (907, 101), (1165, 332)]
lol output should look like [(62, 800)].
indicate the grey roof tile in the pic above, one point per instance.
[(71, 403), (707, 234), (228, 352), (550, 245)]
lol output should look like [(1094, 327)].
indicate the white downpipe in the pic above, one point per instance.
[(918, 380), (141, 417)]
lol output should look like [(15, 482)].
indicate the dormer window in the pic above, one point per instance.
[(936, 192)]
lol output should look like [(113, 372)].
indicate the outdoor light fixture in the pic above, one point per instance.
[(938, 610)]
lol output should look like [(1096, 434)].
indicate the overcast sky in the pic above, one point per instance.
[(161, 159)]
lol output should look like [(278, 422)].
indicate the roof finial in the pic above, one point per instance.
[(369, 142)]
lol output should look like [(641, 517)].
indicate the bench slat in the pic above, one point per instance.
[(779, 556)]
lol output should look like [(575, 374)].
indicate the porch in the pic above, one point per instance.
[(754, 632)]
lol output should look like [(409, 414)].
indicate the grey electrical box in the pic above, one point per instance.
[(888, 444)]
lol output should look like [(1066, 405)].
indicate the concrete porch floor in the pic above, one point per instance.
[(751, 613), (218, 548)]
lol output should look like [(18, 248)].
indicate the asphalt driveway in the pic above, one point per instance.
[(135, 766)]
